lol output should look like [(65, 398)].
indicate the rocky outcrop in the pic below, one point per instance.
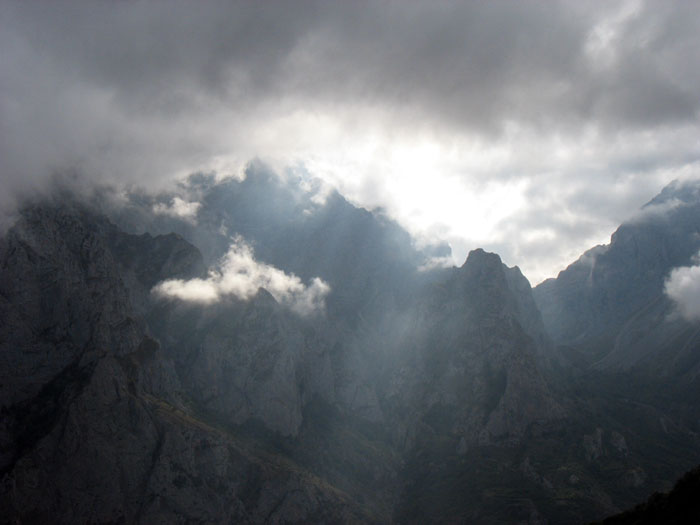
[(54, 265), (96, 423), (243, 360), (145, 260)]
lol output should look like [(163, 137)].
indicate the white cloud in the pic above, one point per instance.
[(683, 286), (178, 208), (529, 128), (655, 211), (241, 276)]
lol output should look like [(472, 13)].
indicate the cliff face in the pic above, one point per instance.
[(611, 304), (242, 360), (53, 266), (467, 360), (96, 425)]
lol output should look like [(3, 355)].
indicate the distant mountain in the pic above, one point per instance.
[(610, 305), (413, 395)]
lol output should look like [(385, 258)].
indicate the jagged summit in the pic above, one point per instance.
[(483, 266), (480, 257)]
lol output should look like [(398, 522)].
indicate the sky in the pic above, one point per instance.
[(529, 128)]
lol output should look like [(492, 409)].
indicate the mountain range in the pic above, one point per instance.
[(262, 350)]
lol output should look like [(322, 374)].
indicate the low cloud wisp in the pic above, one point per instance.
[(240, 275), (683, 287), (180, 208)]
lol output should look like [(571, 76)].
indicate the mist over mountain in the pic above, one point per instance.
[(621, 304), (405, 391), (271, 262), (294, 225)]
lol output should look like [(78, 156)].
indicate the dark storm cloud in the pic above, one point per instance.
[(477, 64), (140, 92)]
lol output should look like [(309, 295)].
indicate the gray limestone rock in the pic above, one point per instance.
[(97, 425)]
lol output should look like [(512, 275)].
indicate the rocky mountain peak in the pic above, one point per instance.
[(501, 290), (482, 278), (482, 263)]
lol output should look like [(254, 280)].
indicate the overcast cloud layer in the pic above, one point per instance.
[(528, 128)]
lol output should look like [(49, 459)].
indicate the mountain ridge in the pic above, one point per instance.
[(432, 395)]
